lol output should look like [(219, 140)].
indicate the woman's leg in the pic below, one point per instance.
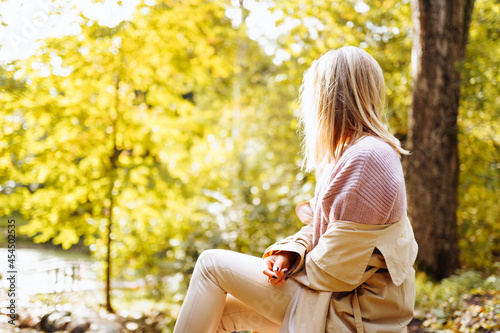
[(220, 272), (238, 316)]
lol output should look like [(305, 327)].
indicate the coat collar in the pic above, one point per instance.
[(350, 246)]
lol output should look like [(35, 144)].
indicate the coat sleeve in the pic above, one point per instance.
[(299, 243), (343, 259)]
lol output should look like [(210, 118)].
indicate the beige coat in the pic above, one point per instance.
[(359, 278)]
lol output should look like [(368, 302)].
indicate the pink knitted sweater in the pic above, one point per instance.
[(365, 186)]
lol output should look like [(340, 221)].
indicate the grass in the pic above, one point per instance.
[(450, 291), (465, 302)]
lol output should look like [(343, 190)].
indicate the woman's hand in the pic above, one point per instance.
[(277, 266)]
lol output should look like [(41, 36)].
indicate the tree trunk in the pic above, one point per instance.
[(440, 36), (109, 307), (113, 177)]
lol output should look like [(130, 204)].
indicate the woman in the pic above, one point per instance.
[(349, 269)]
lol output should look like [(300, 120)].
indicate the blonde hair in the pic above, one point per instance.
[(340, 102)]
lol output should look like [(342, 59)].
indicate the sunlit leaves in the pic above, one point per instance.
[(383, 28), (479, 141), (113, 138)]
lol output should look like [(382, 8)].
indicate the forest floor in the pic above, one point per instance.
[(479, 312), (468, 301)]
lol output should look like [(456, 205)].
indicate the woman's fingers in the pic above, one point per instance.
[(269, 273), (282, 276), (278, 263), (281, 282), (267, 267), (275, 278), (275, 268)]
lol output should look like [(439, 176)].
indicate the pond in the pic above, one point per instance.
[(48, 271)]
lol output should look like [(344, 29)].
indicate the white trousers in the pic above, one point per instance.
[(228, 293)]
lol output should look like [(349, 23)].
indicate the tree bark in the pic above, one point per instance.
[(440, 36), (109, 307), (113, 177)]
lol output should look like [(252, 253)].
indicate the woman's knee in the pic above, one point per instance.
[(209, 259)]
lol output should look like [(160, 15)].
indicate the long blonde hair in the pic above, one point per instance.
[(341, 98)]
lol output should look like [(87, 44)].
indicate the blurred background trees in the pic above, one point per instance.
[(174, 131)]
